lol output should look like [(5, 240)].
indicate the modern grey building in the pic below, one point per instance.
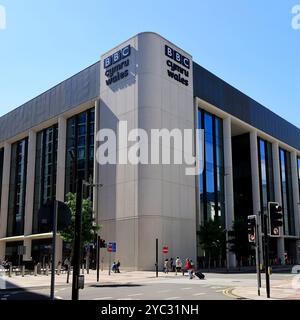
[(251, 156)]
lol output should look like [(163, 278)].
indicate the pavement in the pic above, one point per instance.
[(234, 286)]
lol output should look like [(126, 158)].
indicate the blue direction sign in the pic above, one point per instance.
[(112, 247)]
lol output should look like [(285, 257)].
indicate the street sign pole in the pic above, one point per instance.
[(267, 255), (98, 256), (109, 263), (257, 259), (77, 240), (156, 260), (53, 250)]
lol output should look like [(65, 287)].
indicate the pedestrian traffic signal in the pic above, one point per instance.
[(102, 243), (251, 228), (275, 219)]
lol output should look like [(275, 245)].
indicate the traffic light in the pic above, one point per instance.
[(275, 219), (251, 228), (102, 243)]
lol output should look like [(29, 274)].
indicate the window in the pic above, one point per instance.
[(211, 181), (266, 175), (286, 192), (45, 174), (298, 163), (17, 188), (80, 148), (1, 171)]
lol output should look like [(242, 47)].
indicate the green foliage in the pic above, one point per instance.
[(239, 239), (89, 227), (212, 238)]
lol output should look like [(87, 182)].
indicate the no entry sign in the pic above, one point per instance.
[(165, 249)]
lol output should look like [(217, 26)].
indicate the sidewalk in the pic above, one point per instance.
[(41, 281), (280, 290)]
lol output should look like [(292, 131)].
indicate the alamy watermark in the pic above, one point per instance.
[(157, 146), (296, 17), (2, 18)]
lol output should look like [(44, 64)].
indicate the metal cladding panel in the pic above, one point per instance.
[(70, 93), (222, 95)]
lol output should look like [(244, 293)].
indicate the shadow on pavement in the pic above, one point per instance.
[(9, 291), (115, 285)]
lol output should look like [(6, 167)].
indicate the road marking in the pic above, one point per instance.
[(186, 288), (199, 294), (135, 294), (171, 298), (103, 298), (216, 287)]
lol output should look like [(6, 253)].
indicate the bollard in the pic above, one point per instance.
[(39, 268), (35, 270), (58, 269), (23, 271), (10, 271)]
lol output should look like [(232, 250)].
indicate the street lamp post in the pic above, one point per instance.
[(95, 185), (77, 239)]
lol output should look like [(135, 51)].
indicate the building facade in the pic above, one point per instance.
[(250, 156)]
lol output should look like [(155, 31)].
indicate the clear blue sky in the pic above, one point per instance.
[(248, 43)]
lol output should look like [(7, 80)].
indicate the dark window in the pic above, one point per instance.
[(287, 192), (17, 188), (266, 175), (242, 178), (1, 171), (298, 162), (211, 181), (80, 148), (45, 174)]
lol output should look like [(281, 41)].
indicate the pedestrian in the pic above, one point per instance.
[(192, 269), (186, 266), (178, 265), (118, 267), (67, 264), (166, 265), (174, 265)]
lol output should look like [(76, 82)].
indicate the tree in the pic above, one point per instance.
[(212, 239), (89, 227), (239, 240)]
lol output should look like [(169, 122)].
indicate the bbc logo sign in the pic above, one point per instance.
[(2, 18), (176, 56), (117, 56)]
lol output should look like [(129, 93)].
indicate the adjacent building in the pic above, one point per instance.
[(250, 156)]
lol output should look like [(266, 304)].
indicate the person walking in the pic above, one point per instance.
[(178, 265), (166, 266)]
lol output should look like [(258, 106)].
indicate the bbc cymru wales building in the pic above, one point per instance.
[(250, 156)]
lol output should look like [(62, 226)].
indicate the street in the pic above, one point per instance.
[(145, 286)]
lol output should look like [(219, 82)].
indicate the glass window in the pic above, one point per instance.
[(266, 174), (211, 181), (298, 162), (45, 174), (1, 171), (17, 188), (286, 192), (80, 148)]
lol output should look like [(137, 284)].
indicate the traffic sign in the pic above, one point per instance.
[(112, 247), (165, 249)]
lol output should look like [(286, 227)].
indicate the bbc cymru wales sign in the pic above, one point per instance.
[(116, 65), (178, 65)]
